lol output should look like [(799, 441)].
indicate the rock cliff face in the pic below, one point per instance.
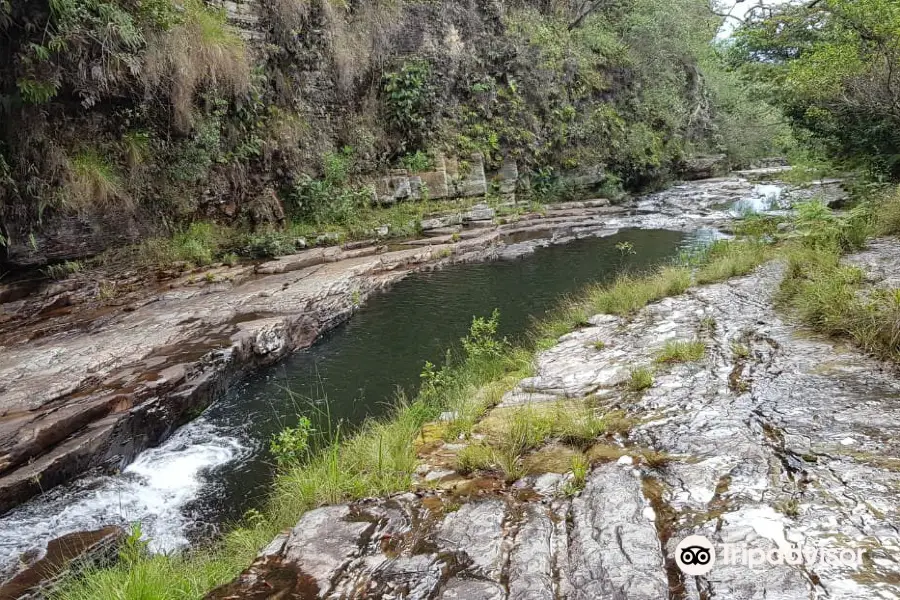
[(774, 439), (501, 96)]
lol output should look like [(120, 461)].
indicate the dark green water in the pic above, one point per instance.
[(360, 366)]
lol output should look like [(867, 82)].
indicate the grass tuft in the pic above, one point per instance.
[(94, 181), (726, 259), (629, 293), (202, 50), (640, 379), (681, 352)]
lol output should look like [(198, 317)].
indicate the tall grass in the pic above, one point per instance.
[(201, 50), (630, 293), (93, 181), (732, 259), (829, 295)]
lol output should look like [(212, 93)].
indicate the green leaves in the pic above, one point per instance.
[(833, 67), (290, 446), (410, 97)]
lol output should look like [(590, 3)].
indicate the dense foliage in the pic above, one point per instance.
[(122, 119), (834, 67)]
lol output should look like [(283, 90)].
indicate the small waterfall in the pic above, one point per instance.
[(155, 490)]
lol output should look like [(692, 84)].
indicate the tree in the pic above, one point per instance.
[(834, 68)]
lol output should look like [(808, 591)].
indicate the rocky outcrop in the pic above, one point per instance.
[(497, 547), (704, 167), (65, 556), (774, 438)]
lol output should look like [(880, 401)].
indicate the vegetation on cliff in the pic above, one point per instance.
[(126, 120)]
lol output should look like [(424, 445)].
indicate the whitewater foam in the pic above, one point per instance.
[(155, 491)]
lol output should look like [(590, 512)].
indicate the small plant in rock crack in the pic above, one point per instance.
[(789, 507), (580, 467), (640, 379), (599, 345), (708, 324), (740, 351)]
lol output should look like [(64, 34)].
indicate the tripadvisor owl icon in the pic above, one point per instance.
[(695, 555)]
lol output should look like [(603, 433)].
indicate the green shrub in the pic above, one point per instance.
[(323, 202), (63, 269), (290, 446), (481, 342), (410, 97), (820, 228), (267, 244), (416, 162), (887, 215)]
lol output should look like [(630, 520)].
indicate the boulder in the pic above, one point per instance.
[(704, 167)]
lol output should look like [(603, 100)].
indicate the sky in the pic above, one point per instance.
[(739, 10)]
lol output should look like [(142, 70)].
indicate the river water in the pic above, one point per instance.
[(218, 466)]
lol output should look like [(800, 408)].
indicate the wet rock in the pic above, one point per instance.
[(476, 530), (615, 550), (72, 552), (760, 445), (324, 542), (531, 563), (704, 167)]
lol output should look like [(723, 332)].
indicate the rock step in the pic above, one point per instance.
[(492, 548)]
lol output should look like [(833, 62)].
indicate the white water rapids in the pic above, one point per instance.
[(154, 490)]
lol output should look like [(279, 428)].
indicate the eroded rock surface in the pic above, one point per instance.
[(774, 438)]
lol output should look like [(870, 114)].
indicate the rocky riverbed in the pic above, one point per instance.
[(774, 438)]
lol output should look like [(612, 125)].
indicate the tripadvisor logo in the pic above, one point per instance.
[(695, 555)]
